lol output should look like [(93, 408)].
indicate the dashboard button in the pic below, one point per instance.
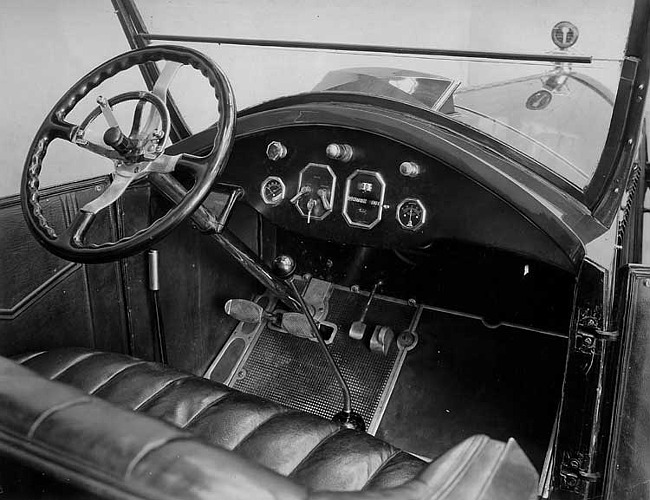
[(340, 152), (276, 151), (409, 169)]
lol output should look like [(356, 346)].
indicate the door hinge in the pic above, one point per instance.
[(573, 474)]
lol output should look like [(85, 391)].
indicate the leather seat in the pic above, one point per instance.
[(221, 443)]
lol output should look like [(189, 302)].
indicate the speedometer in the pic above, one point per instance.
[(363, 203)]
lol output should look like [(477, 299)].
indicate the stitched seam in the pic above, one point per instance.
[(284, 411), (159, 391), (30, 357), (313, 450), (112, 376), (460, 471), (203, 410), (74, 363), (381, 467), (497, 463), (52, 410), (150, 448)]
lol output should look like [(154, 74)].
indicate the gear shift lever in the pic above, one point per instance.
[(284, 268)]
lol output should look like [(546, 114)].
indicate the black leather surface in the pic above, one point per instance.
[(313, 451), (256, 442)]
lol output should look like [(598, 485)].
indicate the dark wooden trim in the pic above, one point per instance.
[(58, 190)]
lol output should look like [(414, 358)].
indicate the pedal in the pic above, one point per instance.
[(296, 324), (317, 296), (382, 338), (245, 311), (358, 328)]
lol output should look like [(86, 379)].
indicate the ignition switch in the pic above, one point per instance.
[(315, 195)]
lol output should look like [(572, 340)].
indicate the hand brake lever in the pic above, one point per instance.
[(284, 267)]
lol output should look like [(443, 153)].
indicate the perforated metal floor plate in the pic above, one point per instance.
[(292, 371)]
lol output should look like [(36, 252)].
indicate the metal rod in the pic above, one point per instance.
[(384, 49), (254, 265), (347, 399), (372, 296)]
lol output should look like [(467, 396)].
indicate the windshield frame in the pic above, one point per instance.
[(605, 189)]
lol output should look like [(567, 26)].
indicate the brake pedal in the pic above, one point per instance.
[(246, 311), (297, 324)]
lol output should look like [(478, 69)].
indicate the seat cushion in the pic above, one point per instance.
[(313, 451), (106, 448)]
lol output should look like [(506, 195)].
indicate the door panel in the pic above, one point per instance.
[(47, 302), (629, 462)]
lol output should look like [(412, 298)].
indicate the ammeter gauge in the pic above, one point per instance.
[(411, 214), (272, 191)]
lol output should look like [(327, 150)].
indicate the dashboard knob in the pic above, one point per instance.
[(409, 169), (276, 151), (341, 152)]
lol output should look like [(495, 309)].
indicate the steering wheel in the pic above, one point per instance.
[(138, 155)]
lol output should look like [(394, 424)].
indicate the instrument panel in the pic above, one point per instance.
[(363, 196), (359, 188), (332, 182)]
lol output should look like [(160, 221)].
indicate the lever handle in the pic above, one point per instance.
[(372, 296), (302, 192), (284, 267), (114, 138), (324, 196)]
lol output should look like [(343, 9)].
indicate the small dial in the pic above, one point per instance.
[(273, 191), (411, 214)]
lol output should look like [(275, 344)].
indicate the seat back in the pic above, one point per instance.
[(119, 453)]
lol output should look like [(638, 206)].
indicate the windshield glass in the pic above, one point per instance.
[(555, 111)]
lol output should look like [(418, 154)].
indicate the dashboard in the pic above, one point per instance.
[(356, 187)]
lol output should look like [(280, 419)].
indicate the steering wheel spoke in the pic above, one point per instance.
[(60, 129), (160, 89), (110, 194), (73, 237)]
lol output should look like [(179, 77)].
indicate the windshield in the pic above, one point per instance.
[(550, 95)]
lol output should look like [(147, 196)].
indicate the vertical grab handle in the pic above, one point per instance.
[(154, 287)]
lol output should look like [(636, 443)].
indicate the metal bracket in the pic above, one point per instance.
[(590, 318), (586, 340), (573, 474)]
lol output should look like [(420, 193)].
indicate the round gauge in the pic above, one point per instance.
[(272, 191), (411, 214)]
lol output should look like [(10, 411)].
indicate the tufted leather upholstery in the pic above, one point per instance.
[(255, 442)]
